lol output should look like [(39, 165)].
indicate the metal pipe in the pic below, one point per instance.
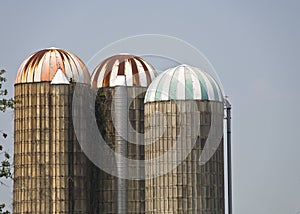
[(121, 118), (229, 164), (70, 157)]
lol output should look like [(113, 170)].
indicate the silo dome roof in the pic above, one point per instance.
[(123, 69), (184, 82), (44, 65)]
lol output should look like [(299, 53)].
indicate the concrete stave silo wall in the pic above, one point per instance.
[(51, 173), (107, 184), (189, 188)]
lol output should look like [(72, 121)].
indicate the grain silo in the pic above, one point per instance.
[(50, 173), (121, 81), (183, 108)]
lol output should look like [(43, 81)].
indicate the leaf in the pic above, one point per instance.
[(5, 164), (6, 155)]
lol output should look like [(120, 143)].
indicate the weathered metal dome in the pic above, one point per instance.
[(123, 69), (44, 65), (184, 82)]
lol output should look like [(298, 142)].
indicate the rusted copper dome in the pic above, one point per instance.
[(43, 65), (123, 69)]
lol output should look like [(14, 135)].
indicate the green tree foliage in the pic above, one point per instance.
[(4, 103), (5, 166), (2, 206)]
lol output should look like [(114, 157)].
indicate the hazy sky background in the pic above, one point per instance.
[(253, 45)]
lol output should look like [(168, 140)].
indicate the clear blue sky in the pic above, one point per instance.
[(253, 45)]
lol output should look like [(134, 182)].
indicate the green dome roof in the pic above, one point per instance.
[(184, 82)]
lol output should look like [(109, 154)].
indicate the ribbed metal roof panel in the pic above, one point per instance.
[(44, 64), (136, 70), (184, 82)]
